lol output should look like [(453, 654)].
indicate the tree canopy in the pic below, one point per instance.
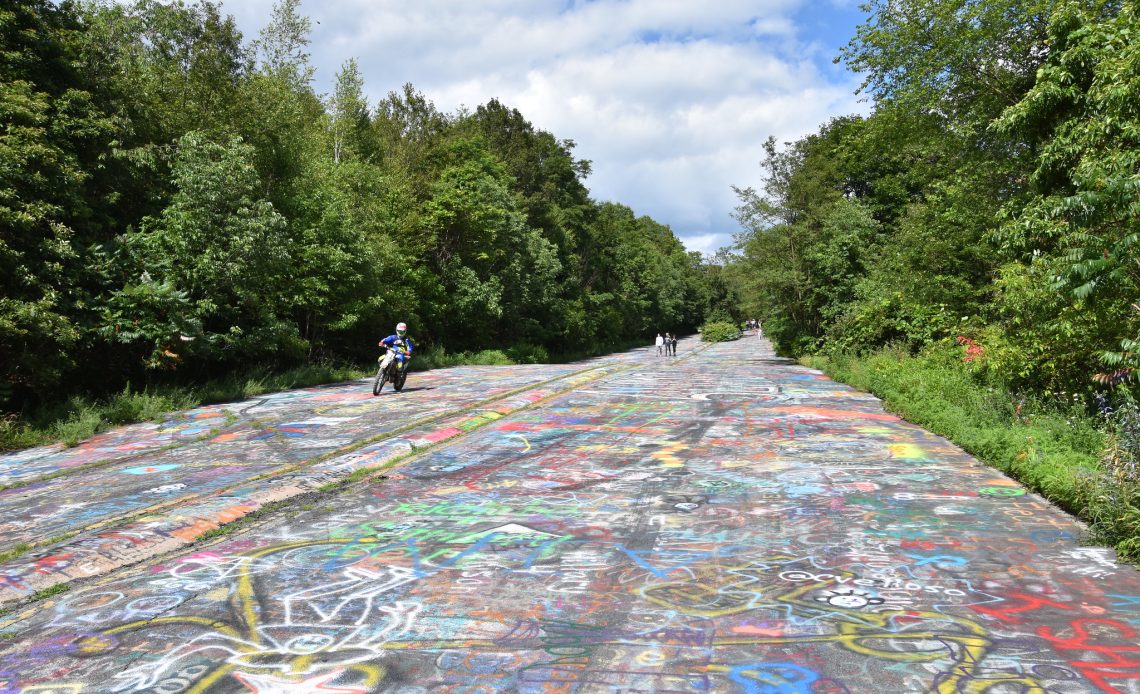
[(992, 196)]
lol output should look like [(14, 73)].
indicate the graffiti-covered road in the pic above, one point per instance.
[(135, 492), (724, 522)]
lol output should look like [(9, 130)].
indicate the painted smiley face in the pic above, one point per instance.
[(848, 599)]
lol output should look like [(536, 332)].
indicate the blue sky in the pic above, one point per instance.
[(670, 100)]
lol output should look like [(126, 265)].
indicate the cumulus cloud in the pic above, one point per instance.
[(670, 99)]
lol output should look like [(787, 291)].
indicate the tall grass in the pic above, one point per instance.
[(1054, 447)]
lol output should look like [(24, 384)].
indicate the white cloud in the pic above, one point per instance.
[(707, 244), (670, 99)]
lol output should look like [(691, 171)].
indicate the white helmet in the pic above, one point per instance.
[(401, 329)]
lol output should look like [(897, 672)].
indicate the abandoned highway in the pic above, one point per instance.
[(719, 521)]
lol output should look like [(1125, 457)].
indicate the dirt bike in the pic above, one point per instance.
[(389, 371)]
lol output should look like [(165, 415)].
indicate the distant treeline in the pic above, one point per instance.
[(990, 202), (173, 197)]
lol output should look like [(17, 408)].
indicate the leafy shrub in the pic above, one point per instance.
[(529, 354), (719, 332), (1121, 457), (490, 357)]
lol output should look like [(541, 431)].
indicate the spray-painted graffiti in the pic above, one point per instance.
[(206, 450), (630, 537)]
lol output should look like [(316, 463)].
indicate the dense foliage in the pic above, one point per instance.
[(990, 199), (176, 199)]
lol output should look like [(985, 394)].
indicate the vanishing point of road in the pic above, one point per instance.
[(720, 521)]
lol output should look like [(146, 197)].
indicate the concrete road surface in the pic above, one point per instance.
[(723, 521)]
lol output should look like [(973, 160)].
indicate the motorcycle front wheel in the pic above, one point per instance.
[(378, 384)]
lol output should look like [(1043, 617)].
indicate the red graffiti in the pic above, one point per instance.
[(53, 562), (1005, 612), (1100, 671), (928, 545)]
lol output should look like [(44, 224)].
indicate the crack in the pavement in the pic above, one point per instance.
[(342, 483), (280, 472)]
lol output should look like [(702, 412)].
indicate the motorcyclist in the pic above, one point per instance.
[(399, 346)]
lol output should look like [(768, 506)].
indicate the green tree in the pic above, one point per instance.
[(964, 59), (1079, 230), (348, 112), (53, 137), (221, 246), (408, 139), (164, 70), (283, 45), (783, 229), (494, 267), (548, 180)]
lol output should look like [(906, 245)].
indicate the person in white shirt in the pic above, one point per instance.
[(660, 343)]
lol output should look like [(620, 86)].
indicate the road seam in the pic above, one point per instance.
[(142, 540), (276, 472)]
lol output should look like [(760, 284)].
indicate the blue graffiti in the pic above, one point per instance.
[(774, 678), (949, 559)]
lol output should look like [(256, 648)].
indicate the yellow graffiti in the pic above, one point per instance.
[(694, 593), (736, 590), (665, 454), (1028, 684), (214, 624), (876, 431), (523, 439), (906, 450), (604, 448), (208, 681), (249, 636)]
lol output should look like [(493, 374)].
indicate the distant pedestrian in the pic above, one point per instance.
[(673, 344), (660, 343)]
